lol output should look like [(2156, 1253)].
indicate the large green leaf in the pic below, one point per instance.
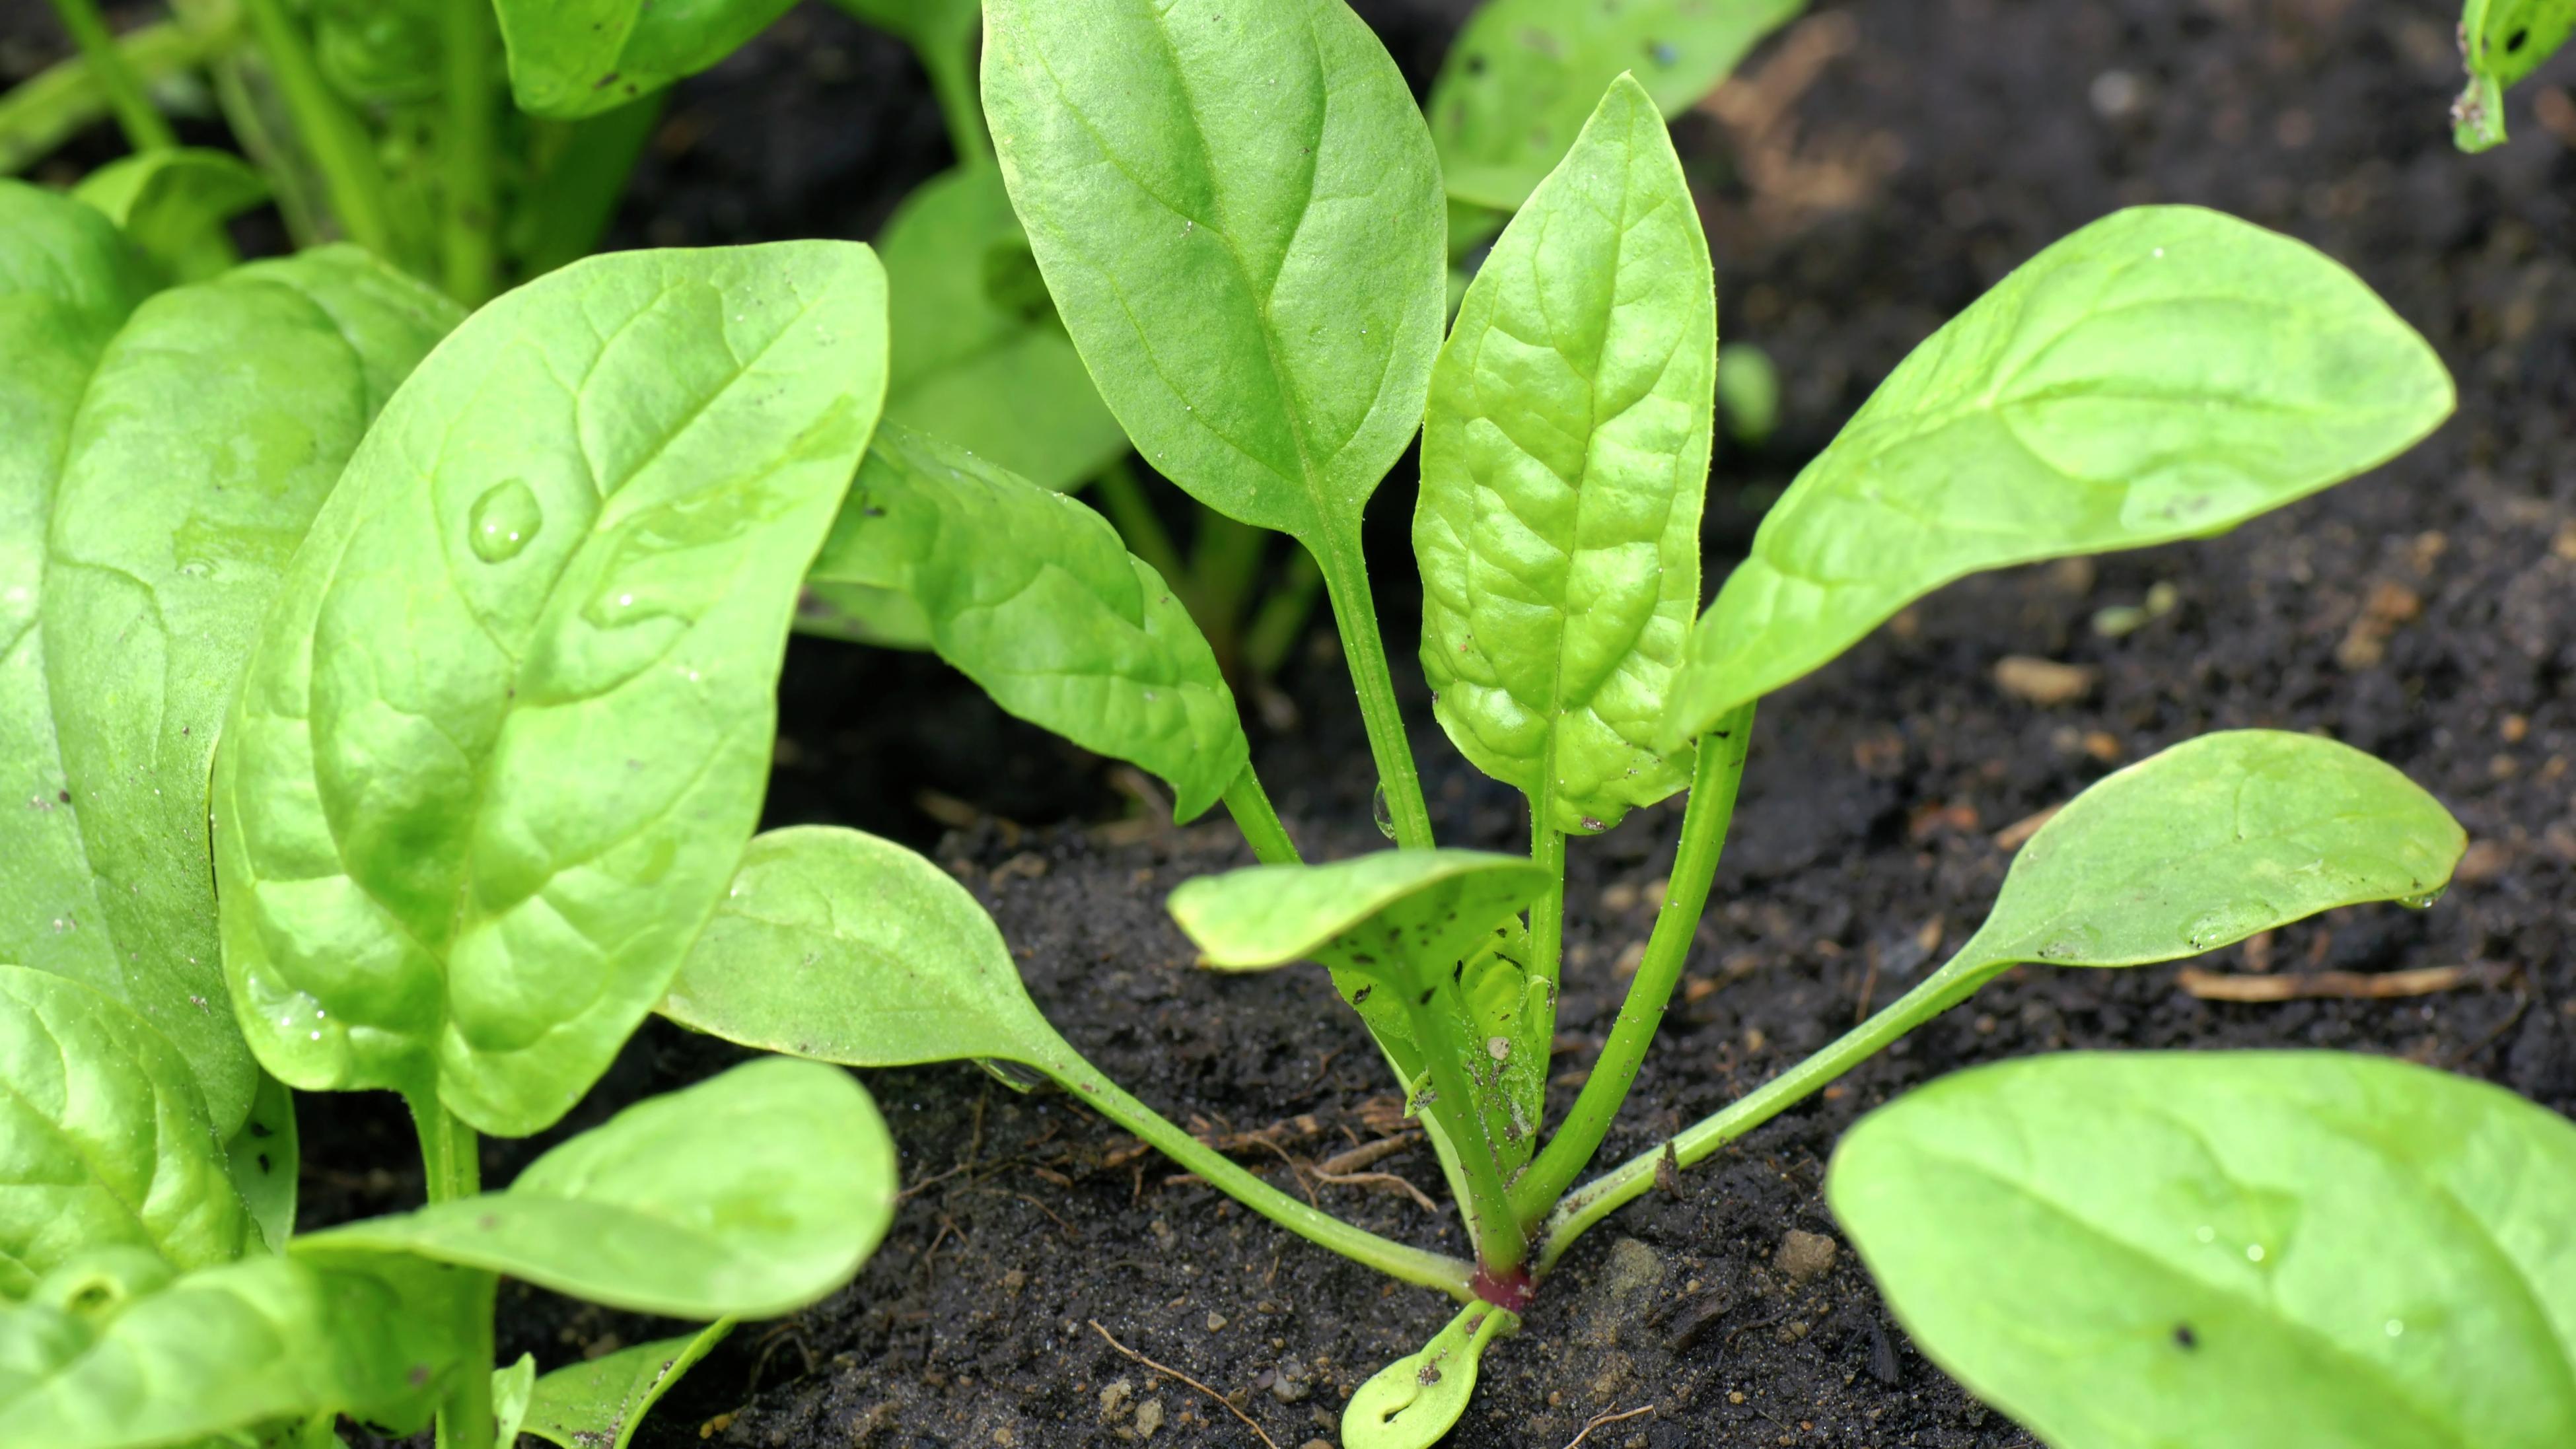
[(599, 1403), (104, 1141), (977, 355), (572, 58), (2230, 1251), (1563, 462), (111, 1354), (506, 732), (2164, 373), (1237, 209), (172, 204), (1523, 75), (846, 948), (1034, 597), (751, 1194)]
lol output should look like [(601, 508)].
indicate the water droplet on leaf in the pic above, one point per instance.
[(2425, 900), (502, 521), (1385, 813), (2231, 922)]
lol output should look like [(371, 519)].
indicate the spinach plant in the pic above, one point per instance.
[(392, 695), (2501, 41), (1239, 218)]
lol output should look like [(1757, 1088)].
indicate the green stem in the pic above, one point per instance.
[(1720, 768), (1502, 1244), (450, 1155), (561, 218), (1281, 620), (42, 113), (145, 128), (1355, 616), (1597, 1199), (1410, 1265), (339, 146), (470, 259), (1260, 824), (1225, 562), (952, 82), (1122, 496), (1547, 913)]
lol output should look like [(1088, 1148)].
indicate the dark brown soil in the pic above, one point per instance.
[(2419, 613)]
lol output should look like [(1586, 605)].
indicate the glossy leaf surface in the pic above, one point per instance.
[(571, 58), (1034, 597), (599, 1403), (104, 1358), (507, 730), (1518, 83), (104, 1140), (751, 1194), (172, 205), (1564, 459), (2164, 373), (2267, 1250), (978, 357), (839, 946), (1237, 210)]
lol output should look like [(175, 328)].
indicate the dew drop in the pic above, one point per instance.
[(2253, 1252), (2231, 922), (1385, 814), (2396, 1326), (2206, 1233), (2425, 900), (502, 521)]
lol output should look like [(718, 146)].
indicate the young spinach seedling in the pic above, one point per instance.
[(2501, 41)]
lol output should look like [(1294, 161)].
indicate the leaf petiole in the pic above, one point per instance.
[(1259, 822), (451, 1159), (338, 144), (145, 128), (1346, 583), (469, 37)]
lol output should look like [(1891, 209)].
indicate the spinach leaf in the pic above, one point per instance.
[(263, 1158), (750, 1194), (1369, 911), (1032, 595), (2290, 1250), (506, 731), (2165, 373), (1563, 462), (1238, 212), (108, 1141), (977, 355), (1411, 1402), (2501, 41), (927, 24), (1520, 80), (512, 1388), (110, 1354), (573, 58), (381, 52), (172, 205), (599, 1403)]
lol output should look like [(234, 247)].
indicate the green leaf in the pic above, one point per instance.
[(2502, 41), (1237, 209), (210, 431), (173, 204), (978, 357), (927, 24), (2211, 841), (1523, 75), (512, 1387), (598, 1404), (749, 1195), (1413, 1401), (108, 1144), (1436, 905), (381, 52), (846, 948), (506, 731), (1032, 595), (1563, 462), (2231, 1251), (263, 1159), (2165, 373), (573, 58)]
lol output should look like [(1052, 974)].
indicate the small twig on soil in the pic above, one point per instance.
[(2340, 985), (1167, 1369), (1598, 1420), (1367, 1154), (1381, 1179), (2521, 1004)]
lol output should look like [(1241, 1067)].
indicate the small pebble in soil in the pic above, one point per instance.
[(1804, 1255)]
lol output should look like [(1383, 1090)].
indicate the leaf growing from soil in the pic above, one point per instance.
[(1411, 1402), (751, 1194), (1238, 212), (599, 1403), (506, 731), (2268, 1250), (1032, 596), (573, 58), (172, 204), (108, 1141), (1524, 74), (2164, 373), (1563, 462), (978, 358)]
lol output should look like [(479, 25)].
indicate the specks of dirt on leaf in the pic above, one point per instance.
[(2184, 1337)]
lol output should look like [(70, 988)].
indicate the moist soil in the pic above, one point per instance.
[(1878, 166)]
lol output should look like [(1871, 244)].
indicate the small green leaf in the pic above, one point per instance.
[(1032, 595), (2165, 373), (1237, 210), (506, 731), (978, 358), (751, 1194), (381, 52), (599, 1403), (573, 58), (1563, 462), (845, 948), (2210, 841), (106, 1357), (1524, 74), (264, 1158), (1411, 1402), (172, 204), (2231, 1251), (108, 1144), (2502, 41), (1435, 905), (511, 1388)]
